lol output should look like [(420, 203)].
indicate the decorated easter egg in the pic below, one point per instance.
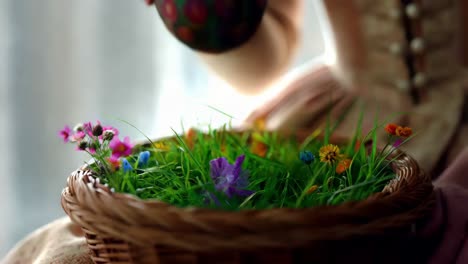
[(212, 25)]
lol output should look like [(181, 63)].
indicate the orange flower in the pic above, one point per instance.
[(190, 137), (114, 162), (259, 148), (403, 131), (357, 146), (343, 165), (391, 128), (312, 189)]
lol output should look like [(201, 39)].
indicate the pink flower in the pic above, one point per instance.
[(82, 145), (111, 128), (92, 150), (78, 136), (88, 127), (120, 148), (65, 133)]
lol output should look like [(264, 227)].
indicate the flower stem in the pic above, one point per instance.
[(311, 182)]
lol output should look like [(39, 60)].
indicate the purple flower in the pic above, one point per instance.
[(65, 133), (228, 178), (211, 198), (397, 143)]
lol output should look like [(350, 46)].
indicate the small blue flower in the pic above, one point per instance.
[(307, 157), (126, 165), (143, 159), (228, 178)]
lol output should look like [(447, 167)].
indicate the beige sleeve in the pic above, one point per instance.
[(60, 242), (257, 63)]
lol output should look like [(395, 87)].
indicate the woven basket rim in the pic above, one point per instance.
[(88, 176), (403, 201)]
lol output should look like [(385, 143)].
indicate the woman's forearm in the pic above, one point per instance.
[(258, 62)]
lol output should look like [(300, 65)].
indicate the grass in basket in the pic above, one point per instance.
[(236, 171)]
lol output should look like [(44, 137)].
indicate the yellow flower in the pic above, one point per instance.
[(329, 153), (259, 124), (160, 146)]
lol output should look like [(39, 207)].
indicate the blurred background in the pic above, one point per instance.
[(64, 62)]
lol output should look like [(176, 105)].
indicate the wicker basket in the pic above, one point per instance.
[(121, 228)]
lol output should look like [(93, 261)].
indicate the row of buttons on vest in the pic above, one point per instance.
[(412, 10), (416, 46), (419, 81)]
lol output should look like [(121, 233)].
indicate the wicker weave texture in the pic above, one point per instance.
[(121, 228)]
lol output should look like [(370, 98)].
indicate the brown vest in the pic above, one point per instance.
[(402, 59)]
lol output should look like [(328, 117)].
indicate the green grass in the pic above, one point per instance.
[(179, 174)]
